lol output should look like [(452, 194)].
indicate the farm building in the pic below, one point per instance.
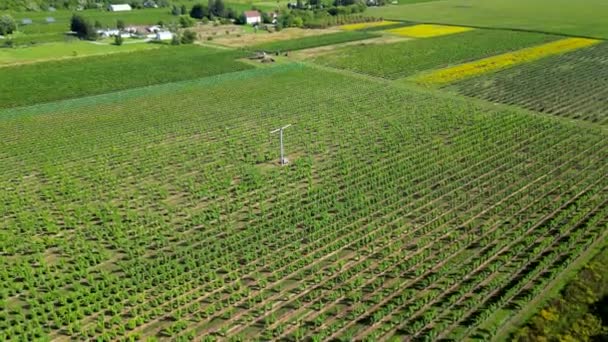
[(108, 33), (253, 17), (154, 28), (273, 17), (164, 35), (119, 8)]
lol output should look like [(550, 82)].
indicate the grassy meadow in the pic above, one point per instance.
[(71, 49)]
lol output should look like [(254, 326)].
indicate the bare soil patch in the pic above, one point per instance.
[(321, 50), (249, 39)]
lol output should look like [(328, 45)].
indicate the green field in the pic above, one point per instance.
[(540, 87), (579, 18), (50, 81), (161, 211), (403, 59), (74, 48), (314, 41)]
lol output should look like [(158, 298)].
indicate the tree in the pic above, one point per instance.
[(175, 10), (118, 40), (7, 25), (139, 4), (184, 10), (188, 37), (217, 8), (185, 22), (242, 19), (220, 8), (83, 28), (199, 11), (120, 24), (98, 24), (231, 13)]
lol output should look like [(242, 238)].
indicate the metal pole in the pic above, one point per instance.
[(281, 141), (280, 130)]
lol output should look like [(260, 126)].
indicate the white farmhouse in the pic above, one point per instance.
[(164, 35), (119, 8), (253, 17)]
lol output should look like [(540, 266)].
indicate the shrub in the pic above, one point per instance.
[(188, 37), (185, 22)]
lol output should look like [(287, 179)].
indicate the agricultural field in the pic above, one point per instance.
[(585, 18), (446, 181), (407, 58), (427, 30), (503, 61), (368, 25), (161, 211), (261, 37), (315, 41), (64, 50), (572, 85), (24, 84)]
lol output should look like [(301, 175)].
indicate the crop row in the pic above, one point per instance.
[(573, 85)]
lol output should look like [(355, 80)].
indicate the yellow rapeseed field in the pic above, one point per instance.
[(427, 30), (506, 60), (361, 26)]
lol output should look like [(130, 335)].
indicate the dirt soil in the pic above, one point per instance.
[(248, 39), (321, 50)]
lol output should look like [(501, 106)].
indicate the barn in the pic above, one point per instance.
[(119, 8), (253, 17)]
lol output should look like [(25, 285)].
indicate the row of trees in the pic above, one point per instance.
[(213, 9)]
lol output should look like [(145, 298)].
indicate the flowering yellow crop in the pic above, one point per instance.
[(427, 30), (361, 26), (506, 60)]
